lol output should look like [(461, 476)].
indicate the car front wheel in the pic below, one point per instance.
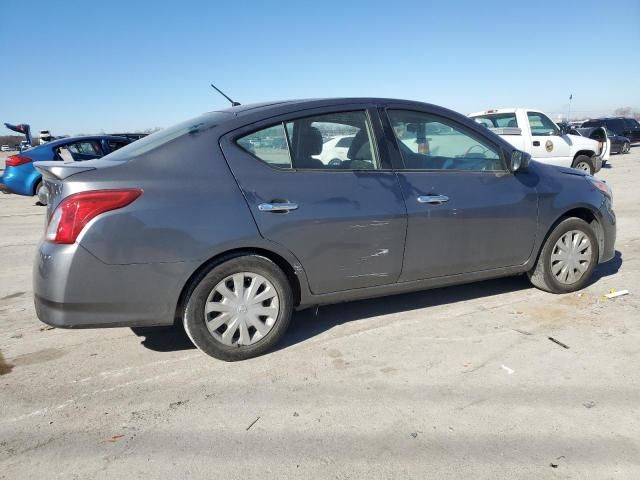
[(584, 163), (239, 309), (567, 259)]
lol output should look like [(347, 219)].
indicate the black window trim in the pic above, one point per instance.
[(473, 133)]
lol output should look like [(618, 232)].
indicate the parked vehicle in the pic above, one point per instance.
[(618, 144), (5, 148), (620, 126), (22, 178), (535, 133), (130, 136), (45, 136), (191, 224), (335, 150)]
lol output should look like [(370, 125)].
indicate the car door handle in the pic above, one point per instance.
[(536, 143), (277, 207), (433, 199)]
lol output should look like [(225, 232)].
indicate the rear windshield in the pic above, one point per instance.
[(497, 120), (162, 137)]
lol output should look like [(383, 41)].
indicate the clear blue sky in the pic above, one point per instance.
[(73, 66)]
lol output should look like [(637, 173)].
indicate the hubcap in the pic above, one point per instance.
[(584, 166), (571, 257), (241, 309)]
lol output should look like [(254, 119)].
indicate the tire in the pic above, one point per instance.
[(542, 275), (203, 291), (584, 163), (626, 147), (42, 197)]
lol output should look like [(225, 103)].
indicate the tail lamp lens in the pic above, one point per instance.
[(75, 211), (16, 160)]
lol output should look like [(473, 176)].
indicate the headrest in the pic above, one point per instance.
[(310, 141)]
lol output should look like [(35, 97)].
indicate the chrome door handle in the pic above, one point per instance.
[(433, 199), (277, 207)]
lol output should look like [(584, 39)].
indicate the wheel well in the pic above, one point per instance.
[(35, 185), (206, 266), (583, 214), (588, 153)]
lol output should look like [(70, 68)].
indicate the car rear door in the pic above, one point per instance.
[(466, 212), (345, 222)]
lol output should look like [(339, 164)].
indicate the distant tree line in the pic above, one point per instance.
[(627, 112), (11, 140)]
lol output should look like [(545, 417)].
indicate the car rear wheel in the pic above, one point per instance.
[(42, 193), (567, 259), (626, 147), (239, 308), (584, 163)]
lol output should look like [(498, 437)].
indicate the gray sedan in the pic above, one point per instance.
[(230, 221)]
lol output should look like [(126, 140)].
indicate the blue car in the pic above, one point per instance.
[(22, 178)]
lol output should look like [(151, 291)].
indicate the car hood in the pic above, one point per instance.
[(584, 142)]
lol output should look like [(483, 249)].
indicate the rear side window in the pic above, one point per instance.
[(616, 126), (268, 145), (309, 143), (592, 123), (498, 120), (85, 148)]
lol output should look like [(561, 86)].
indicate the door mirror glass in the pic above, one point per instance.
[(519, 161)]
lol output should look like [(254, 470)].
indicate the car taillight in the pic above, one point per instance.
[(16, 160), (75, 211)]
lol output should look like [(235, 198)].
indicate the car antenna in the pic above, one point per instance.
[(233, 104)]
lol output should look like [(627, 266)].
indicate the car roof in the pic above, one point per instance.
[(84, 137), (314, 102)]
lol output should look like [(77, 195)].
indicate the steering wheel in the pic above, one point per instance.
[(482, 152)]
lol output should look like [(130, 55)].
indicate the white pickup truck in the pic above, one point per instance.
[(535, 133)]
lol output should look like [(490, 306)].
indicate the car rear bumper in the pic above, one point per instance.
[(73, 289)]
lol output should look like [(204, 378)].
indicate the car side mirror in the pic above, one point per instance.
[(519, 161)]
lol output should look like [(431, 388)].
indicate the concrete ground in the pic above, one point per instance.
[(459, 382)]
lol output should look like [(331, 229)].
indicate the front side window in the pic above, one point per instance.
[(541, 125), (429, 142), (333, 141)]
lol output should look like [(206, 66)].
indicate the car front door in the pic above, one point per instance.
[(344, 221), (546, 141), (467, 212)]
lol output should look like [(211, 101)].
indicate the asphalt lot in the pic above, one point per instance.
[(459, 382)]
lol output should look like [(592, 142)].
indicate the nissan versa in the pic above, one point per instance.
[(230, 221)]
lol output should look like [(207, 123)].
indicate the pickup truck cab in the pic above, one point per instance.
[(534, 132)]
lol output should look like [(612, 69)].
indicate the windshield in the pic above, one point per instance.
[(162, 137), (497, 120)]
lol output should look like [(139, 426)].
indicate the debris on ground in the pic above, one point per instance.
[(523, 332), (252, 424), (589, 404), (507, 369), (613, 294), (115, 438), (414, 434), (46, 327), (563, 345), (177, 404)]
